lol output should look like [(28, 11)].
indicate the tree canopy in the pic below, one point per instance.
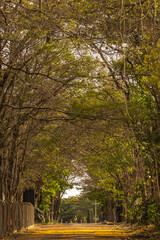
[(79, 94)]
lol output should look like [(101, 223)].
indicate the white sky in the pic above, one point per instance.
[(71, 192)]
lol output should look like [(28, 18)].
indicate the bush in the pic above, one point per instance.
[(39, 216)]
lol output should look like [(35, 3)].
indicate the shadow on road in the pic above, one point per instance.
[(67, 237)]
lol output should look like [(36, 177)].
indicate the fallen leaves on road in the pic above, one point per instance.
[(82, 231)]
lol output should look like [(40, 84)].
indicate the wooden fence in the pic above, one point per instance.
[(15, 216)]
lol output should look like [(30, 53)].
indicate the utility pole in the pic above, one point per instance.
[(95, 211)]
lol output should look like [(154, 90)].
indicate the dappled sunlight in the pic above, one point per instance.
[(86, 231), (75, 231)]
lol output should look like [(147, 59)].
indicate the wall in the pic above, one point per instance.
[(15, 216)]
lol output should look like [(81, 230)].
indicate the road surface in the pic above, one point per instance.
[(76, 232)]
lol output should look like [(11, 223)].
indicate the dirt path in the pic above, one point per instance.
[(75, 231)]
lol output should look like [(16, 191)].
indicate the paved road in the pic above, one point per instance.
[(75, 232)]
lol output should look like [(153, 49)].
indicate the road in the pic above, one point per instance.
[(75, 232)]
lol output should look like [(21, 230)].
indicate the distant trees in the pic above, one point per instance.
[(76, 210)]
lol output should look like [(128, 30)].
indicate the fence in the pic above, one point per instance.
[(15, 216)]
